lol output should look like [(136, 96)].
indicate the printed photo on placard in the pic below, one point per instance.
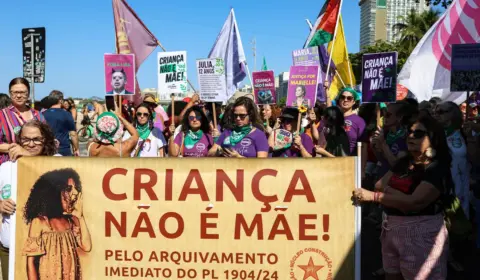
[(264, 87), (302, 86), (119, 74)]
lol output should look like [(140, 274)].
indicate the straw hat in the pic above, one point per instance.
[(108, 128)]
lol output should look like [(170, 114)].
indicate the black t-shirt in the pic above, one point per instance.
[(407, 180)]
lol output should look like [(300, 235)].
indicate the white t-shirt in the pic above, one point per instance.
[(7, 190), (154, 142)]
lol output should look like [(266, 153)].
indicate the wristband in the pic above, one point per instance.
[(376, 196)]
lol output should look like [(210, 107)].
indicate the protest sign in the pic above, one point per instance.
[(379, 77), (172, 73), (119, 74), (211, 78), (33, 45), (264, 87), (184, 219), (306, 57), (465, 74), (302, 86)]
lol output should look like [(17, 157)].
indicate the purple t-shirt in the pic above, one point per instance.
[(293, 152), (399, 145), (200, 149), (248, 147), (354, 127)]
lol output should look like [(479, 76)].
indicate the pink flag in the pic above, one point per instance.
[(427, 71), (132, 36)]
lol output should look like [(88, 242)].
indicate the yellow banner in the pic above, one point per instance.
[(185, 219)]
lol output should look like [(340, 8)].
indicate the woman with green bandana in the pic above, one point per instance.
[(152, 141), (348, 101), (195, 139), (244, 135), (108, 133)]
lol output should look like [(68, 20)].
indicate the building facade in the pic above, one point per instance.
[(373, 21), (396, 9), (282, 89)]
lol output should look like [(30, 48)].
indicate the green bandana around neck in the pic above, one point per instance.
[(393, 137), (192, 138), (449, 130), (238, 133), (143, 131)]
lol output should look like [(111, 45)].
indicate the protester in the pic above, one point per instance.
[(5, 101), (14, 116), (195, 139), (337, 144), (435, 101), (348, 101), (36, 139), (108, 137), (57, 226), (450, 117), (160, 116), (270, 115), (174, 125), (314, 118), (414, 237), (151, 142), (69, 106), (244, 137), (302, 145), (98, 109), (63, 125)]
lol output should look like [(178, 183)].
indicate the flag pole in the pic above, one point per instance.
[(339, 77), (161, 46), (334, 38)]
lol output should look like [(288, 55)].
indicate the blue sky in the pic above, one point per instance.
[(80, 32)]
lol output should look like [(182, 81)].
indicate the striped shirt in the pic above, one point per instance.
[(10, 123)]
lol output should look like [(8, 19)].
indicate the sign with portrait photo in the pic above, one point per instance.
[(217, 218), (264, 87), (302, 86), (119, 74)]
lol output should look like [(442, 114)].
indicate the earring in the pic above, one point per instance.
[(430, 153)]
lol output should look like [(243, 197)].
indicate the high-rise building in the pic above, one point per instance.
[(396, 9), (373, 20), (282, 89)]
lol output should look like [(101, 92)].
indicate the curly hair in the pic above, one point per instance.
[(276, 112), (49, 147), (150, 112), (252, 111), (45, 195), (205, 125)]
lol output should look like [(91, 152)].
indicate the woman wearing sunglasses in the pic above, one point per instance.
[(302, 145), (152, 141), (34, 139), (245, 137), (194, 140), (450, 117), (414, 237), (348, 100)]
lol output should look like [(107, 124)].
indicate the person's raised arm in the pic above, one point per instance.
[(191, 103), (129, 144)]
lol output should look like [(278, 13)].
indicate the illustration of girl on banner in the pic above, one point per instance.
[(57, 227)]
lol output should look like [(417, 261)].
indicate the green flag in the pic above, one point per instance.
[(264, 66)]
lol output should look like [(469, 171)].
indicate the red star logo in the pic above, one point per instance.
[(310, 270)]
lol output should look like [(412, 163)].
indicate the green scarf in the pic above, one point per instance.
[(143, 131), (192, 138), (449, 131), (393, 137), (238, 133)]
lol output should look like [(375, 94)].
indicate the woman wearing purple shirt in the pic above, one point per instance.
[(245, 137), (348, 100), (302, 145), (195, 139)]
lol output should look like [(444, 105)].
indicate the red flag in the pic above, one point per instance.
[(132, 36)]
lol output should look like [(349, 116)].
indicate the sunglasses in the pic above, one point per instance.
[(192, 118), (417, 134), (139, 114), (241, 116), (347, 98), (26, 141)]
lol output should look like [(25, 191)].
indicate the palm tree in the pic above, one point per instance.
[(412, 27)]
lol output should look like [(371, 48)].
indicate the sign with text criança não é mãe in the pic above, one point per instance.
[(184, 218)]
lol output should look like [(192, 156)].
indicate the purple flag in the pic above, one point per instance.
[(132, 36)]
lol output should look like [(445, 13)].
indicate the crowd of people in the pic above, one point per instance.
[(415, 156)]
